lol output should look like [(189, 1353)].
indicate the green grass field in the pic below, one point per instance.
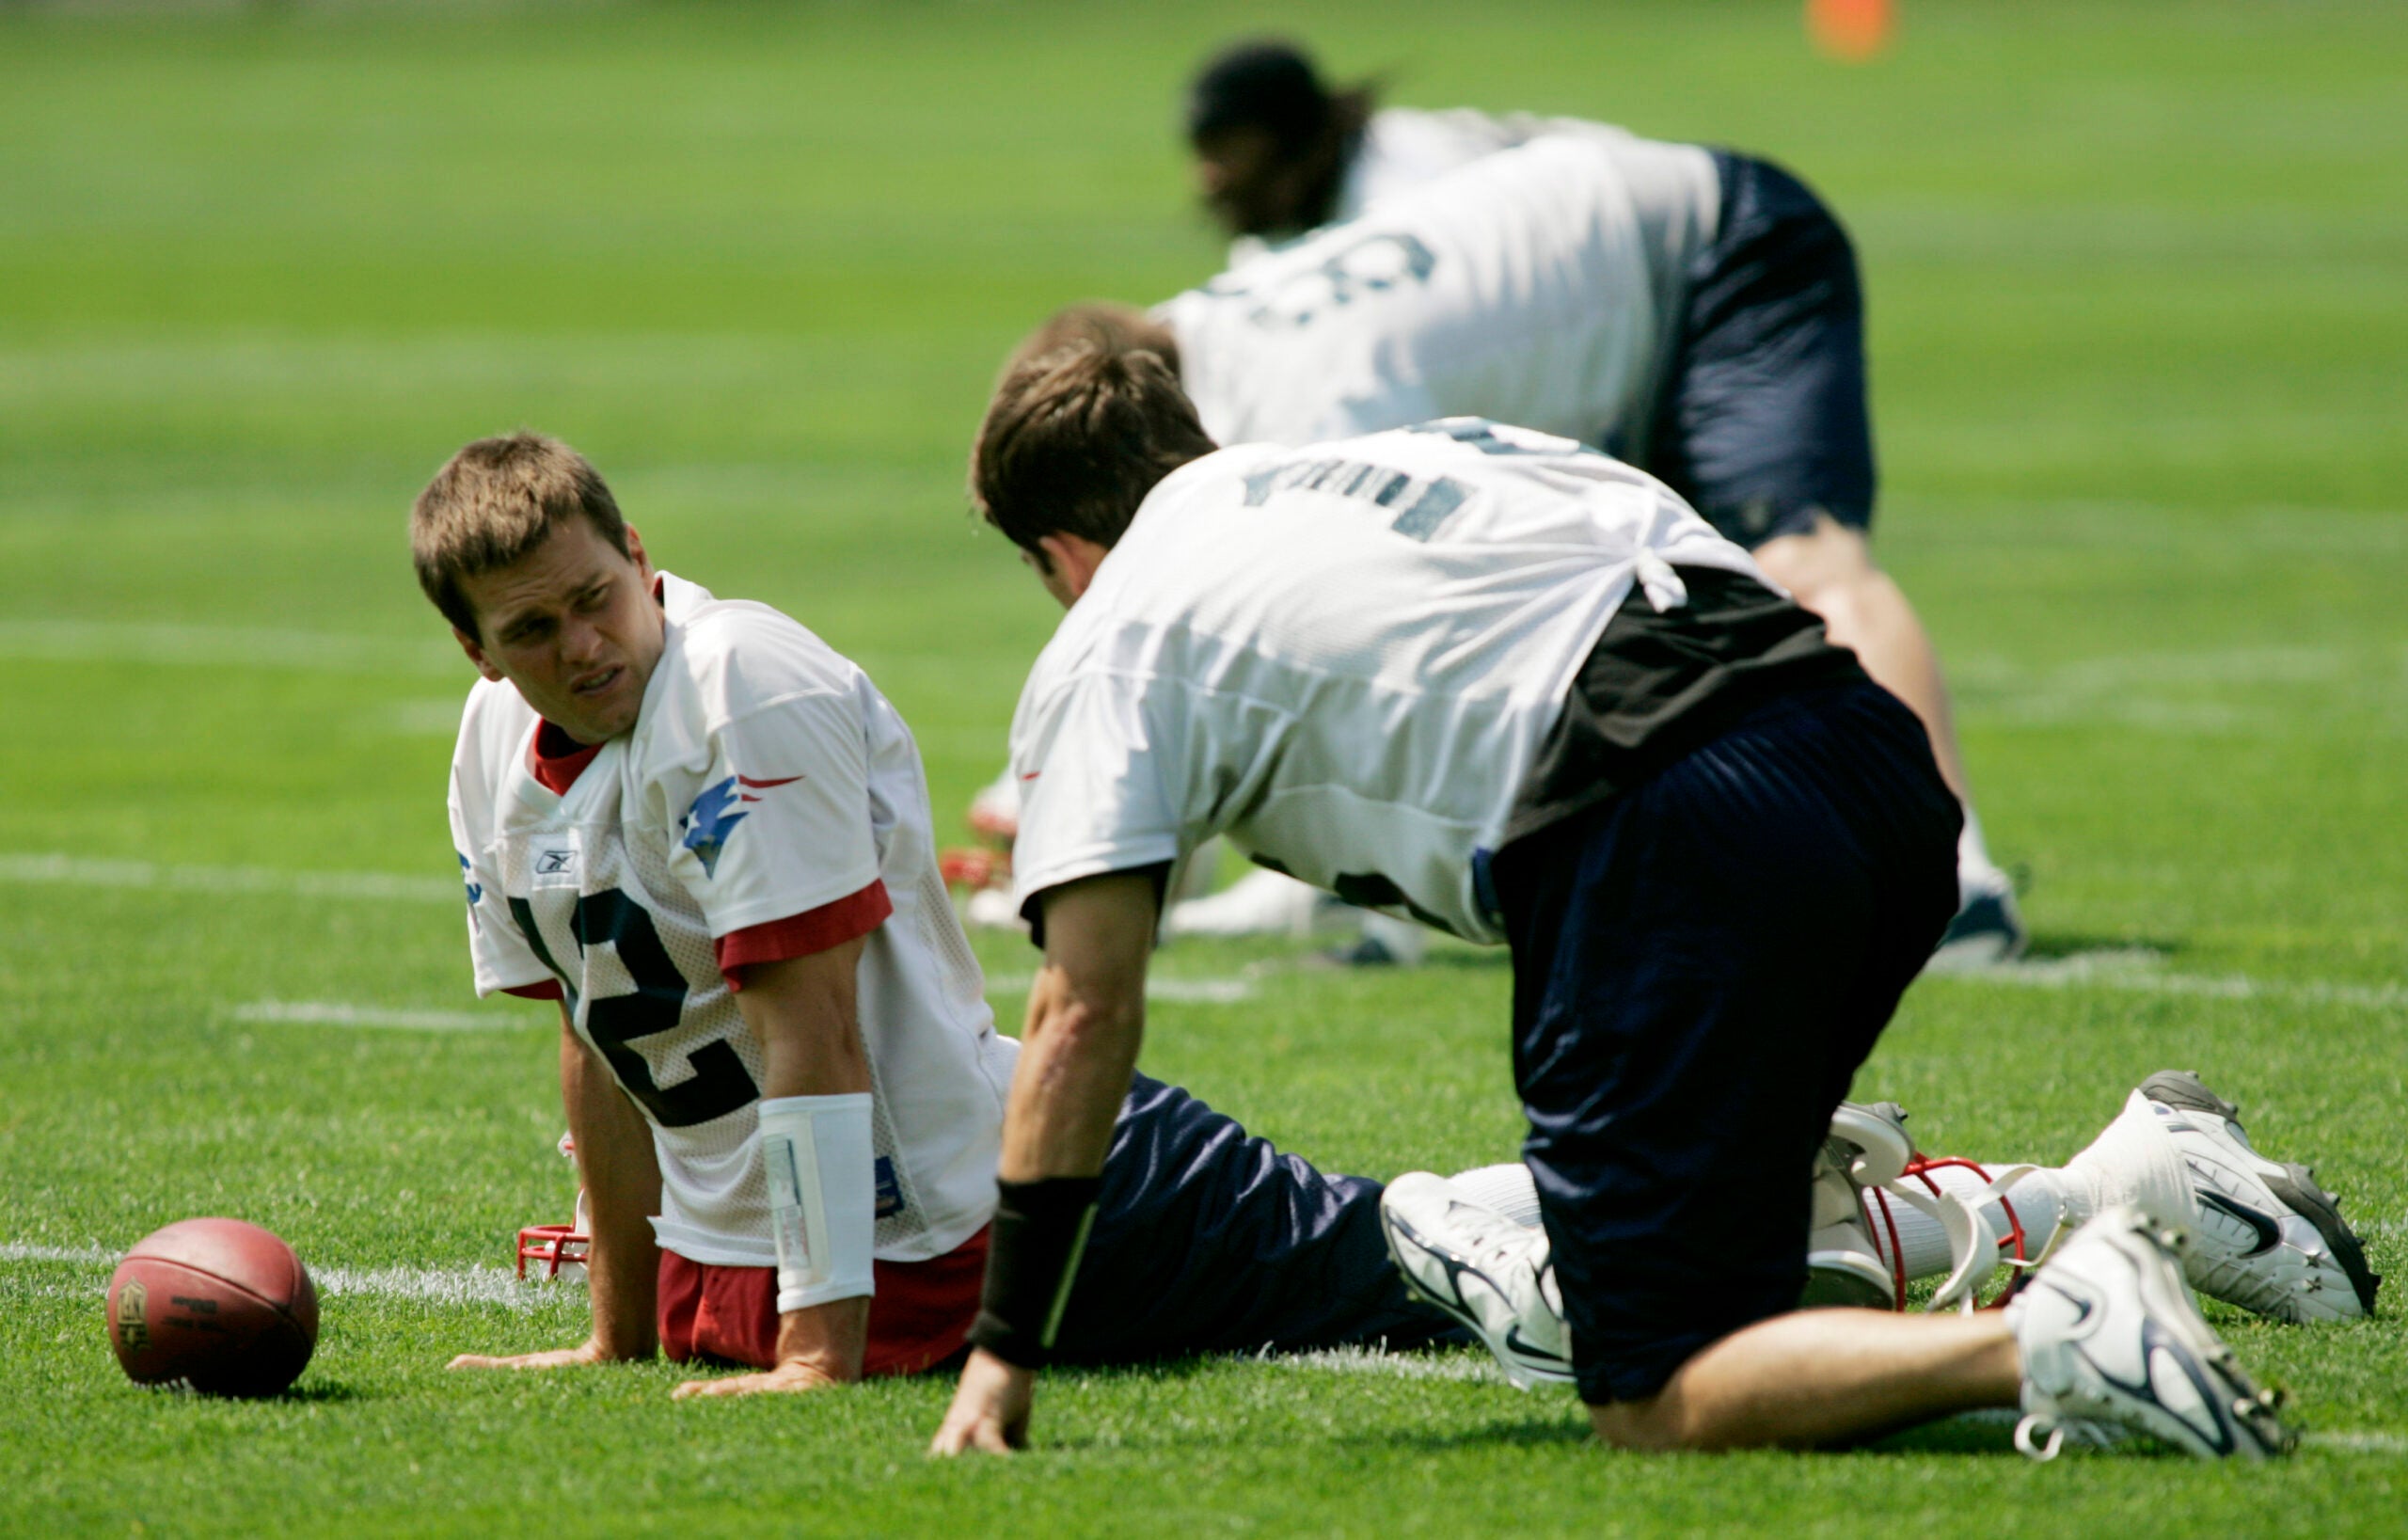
[(2139, 288)]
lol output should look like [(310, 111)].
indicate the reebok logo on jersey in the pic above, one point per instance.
[(716, 813), (554, 862)]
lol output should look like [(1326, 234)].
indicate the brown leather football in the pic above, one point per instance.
[(219, 1304)]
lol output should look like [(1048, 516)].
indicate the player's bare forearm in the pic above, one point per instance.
[(622, 1176), (621, 1179), (1087, 1020), (804, 1010), (828, 1341)]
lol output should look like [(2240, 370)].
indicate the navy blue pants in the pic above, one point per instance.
[(1209, 1239), (1762, 422), (1700, 964)]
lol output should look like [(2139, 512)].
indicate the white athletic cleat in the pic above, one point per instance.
[(1493, 1275), (1987, 929), (2113, 1343), (2268, 1238), (1262, 903), (2264, 1235)]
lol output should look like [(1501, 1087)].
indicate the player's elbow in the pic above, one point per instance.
[(1091, 1026)]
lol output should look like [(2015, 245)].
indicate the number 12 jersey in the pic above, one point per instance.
[(766, 790)]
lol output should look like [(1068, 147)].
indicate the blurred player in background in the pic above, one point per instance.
[(1520, 691), (1279, 153), (1689, 310)]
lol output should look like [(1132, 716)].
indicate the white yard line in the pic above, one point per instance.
[(2211, 691), (432, 717), (441, 1285), (2133, 969), (338, 1014), (2357, 1443), (221, 647), (2144, 972), (1369, 1360), (82, 871), (20, 1251)]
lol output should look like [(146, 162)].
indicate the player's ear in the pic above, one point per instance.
[(1070, 562), (635, 552), (476, 655)]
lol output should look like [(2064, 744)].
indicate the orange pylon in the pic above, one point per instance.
[(1851, 30)]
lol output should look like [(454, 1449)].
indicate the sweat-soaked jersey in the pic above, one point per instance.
[(766, 778)]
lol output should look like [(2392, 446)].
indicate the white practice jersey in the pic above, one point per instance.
[(1402, 148), (1344, 657), (764, 778), (1538, 285), (1405, 146)]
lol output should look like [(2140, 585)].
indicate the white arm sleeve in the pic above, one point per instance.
[(816, 1152)]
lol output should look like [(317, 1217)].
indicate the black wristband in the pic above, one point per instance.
[(1032, 1256)]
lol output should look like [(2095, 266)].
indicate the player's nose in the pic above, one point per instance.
[(581, 639)]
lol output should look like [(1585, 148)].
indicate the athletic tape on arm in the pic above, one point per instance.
[(816, 1152)]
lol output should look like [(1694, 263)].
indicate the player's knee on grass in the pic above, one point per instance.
[(1648, 1425)]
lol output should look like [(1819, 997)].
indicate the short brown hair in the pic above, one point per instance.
[(1116, 328), (492, 504), (1076, 438)]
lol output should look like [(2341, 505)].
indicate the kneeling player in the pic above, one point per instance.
[(1521, 691), (707, 834)]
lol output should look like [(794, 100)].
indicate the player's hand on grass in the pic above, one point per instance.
[(586, 1352), (786, 1378), (818, 1345), (990, 1413)]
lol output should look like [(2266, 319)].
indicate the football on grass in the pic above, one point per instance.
[(217, 1305)]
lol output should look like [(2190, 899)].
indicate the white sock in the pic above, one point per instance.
[(1506, 1188), (1975, 871), (2040, 1201)]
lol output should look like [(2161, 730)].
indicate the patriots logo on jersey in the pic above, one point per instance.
[(475, 892), (716, 811)]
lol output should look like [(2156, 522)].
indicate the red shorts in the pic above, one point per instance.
[(919, 1317)]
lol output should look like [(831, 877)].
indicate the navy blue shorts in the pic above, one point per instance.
[(1762, 422), (1700, 964), (1209, 1239)]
